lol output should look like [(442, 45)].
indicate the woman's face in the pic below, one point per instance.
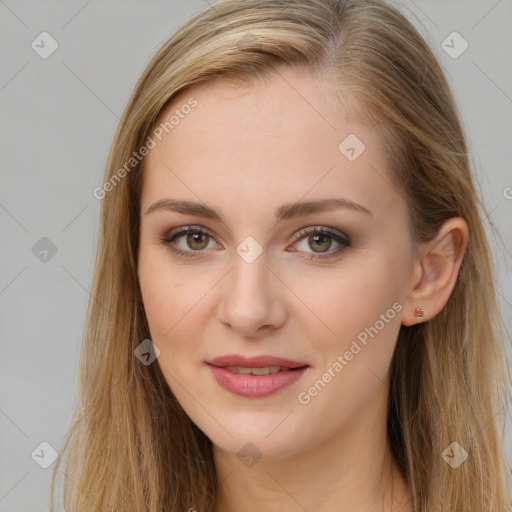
[(272, 161)]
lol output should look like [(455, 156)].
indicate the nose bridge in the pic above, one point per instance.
[(250, 301)]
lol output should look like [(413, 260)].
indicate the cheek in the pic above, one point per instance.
[(168, 294), (360, 307), (360, 312), (352, 297), (169, 298)]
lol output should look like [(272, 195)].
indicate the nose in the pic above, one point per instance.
[(252, 299)]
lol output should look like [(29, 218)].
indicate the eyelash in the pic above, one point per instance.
[(343, 239)]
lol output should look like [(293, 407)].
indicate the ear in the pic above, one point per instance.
[(435, 270)]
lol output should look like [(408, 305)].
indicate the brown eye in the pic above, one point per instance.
[(197, 241)]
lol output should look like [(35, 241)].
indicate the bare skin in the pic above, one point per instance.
[(245, 152)]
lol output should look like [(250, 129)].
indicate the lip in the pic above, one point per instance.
[(253, 386), (255, 362)]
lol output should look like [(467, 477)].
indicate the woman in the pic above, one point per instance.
[(293, 301)]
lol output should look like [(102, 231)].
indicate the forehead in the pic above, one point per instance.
[(270, 105), (281, 136)]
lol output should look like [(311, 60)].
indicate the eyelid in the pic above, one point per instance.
[(189, 228), (311, 230)]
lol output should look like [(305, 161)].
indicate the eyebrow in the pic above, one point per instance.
[(284, 212)]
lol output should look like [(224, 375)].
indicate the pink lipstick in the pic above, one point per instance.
[(258, 376)]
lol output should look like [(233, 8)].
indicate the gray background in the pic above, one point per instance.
[(58, 118)]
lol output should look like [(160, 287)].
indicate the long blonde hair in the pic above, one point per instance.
[(131, 447)]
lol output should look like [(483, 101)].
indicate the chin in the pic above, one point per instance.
[(252, 443)]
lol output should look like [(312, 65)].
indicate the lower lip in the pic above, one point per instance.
[(255, 385)]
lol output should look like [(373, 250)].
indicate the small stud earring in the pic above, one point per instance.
[(418, 311)]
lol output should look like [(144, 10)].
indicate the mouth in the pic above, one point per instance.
[(256, 381), (259, 370)]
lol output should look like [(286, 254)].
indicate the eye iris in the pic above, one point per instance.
[(193, 238), (319, 241)]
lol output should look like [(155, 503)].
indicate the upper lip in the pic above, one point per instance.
[(255, 362)]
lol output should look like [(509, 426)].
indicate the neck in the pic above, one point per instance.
[(352, 470)]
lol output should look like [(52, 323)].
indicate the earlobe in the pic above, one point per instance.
[(437, 265)]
